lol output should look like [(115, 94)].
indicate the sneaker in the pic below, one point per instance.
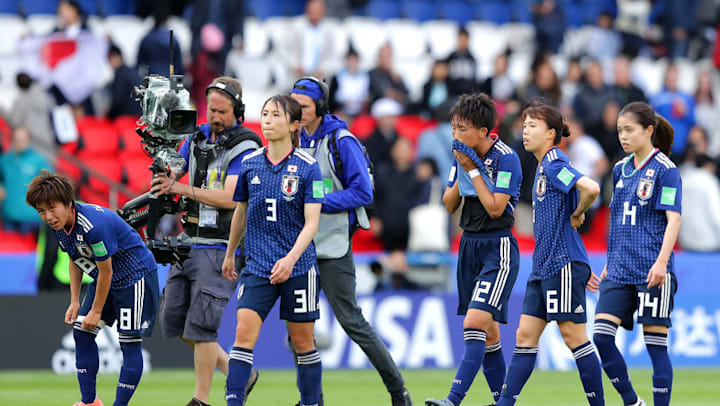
[(321, 402), (97, 402), (401, 398), (434, 402), (196, 402), (254, 375)]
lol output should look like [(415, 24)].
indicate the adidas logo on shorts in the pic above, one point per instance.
[(580, 309)]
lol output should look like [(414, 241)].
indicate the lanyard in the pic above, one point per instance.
[(219, 169)]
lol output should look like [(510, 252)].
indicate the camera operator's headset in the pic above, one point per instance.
[(321, 104), (238, 106)]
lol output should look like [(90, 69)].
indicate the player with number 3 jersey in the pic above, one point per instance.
[(124, 287), (279, 193), (644, 226)]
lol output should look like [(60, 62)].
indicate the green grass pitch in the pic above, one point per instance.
[(692, 387)]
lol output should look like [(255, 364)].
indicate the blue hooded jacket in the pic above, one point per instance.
[(355, 179)]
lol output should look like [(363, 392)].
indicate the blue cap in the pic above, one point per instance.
[(308, 88)]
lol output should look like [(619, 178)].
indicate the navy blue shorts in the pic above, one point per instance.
[(298, 296), (488, 265), (134, 307), (654, 305), (560, 298)]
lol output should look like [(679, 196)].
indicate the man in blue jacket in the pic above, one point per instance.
[(348, 188)]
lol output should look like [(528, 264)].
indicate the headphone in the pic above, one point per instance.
[(238, 106), (321, 104)]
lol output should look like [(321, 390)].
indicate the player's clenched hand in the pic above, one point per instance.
[(282, 270), (228, 268), (91, 320), (576, 220), (161, 184), (464, 161), (71, 313), (593, 283), (656, 276)]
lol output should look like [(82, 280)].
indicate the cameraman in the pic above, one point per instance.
[(348, 188), (196, 292)]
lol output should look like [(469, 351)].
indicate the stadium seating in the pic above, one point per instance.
[(9, 6), (419, 10), (98, 138), (458, 11), (441, 36), (31, 7), (406, 38), (383, 9), (497, 12)]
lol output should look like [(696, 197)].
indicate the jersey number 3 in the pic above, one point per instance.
[(272, 209)]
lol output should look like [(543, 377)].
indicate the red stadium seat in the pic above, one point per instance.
[(15, 243), (411, 127), (362, 126), (137, 174), (96, 189), (364, 241), (98, 137)]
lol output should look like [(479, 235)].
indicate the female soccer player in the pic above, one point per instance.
[(489, 260), (560, 272), (644, 226), (124, 287), (279, 194)]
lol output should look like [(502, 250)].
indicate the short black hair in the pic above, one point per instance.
[(23, 80), (463, 31), (477, 109), (114, 50)]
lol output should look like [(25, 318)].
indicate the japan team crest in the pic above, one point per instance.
[(488, 167), (645, 190), (84, 250), (289, 186), (541, 187)]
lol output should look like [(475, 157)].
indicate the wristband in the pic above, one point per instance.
[(474, 173)]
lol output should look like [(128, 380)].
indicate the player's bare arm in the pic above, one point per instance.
[(656, 276), (163, 184), (75, 282), (589, 191), (101, 292), (284, 266), (237, 231), (451, 198)]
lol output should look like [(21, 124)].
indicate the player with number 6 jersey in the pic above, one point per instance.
[(644, 226), (280, 194), (124, 287), (560, 272)]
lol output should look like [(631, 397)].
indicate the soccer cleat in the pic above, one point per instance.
[(639, 402), (254, 375), (434, 402), (96, 402), (401, 398)]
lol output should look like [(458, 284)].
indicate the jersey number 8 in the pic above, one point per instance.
[(85, 265)]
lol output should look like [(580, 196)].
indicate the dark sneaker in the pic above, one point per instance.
[(401, 398), (435, 402), (321, 402), (195, 402)]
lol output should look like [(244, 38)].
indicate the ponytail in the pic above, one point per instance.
[(663, 136)]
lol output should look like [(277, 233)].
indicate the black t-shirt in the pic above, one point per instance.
[(474, 218)]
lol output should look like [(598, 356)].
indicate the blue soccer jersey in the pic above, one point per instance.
[(99, 233), (557, 243), (276, 197), (502, 173), (637, 216)]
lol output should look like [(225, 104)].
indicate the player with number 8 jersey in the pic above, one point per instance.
[(124, 287), (280, 194)]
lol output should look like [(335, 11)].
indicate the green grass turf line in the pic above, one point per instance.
[(692, 387)]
